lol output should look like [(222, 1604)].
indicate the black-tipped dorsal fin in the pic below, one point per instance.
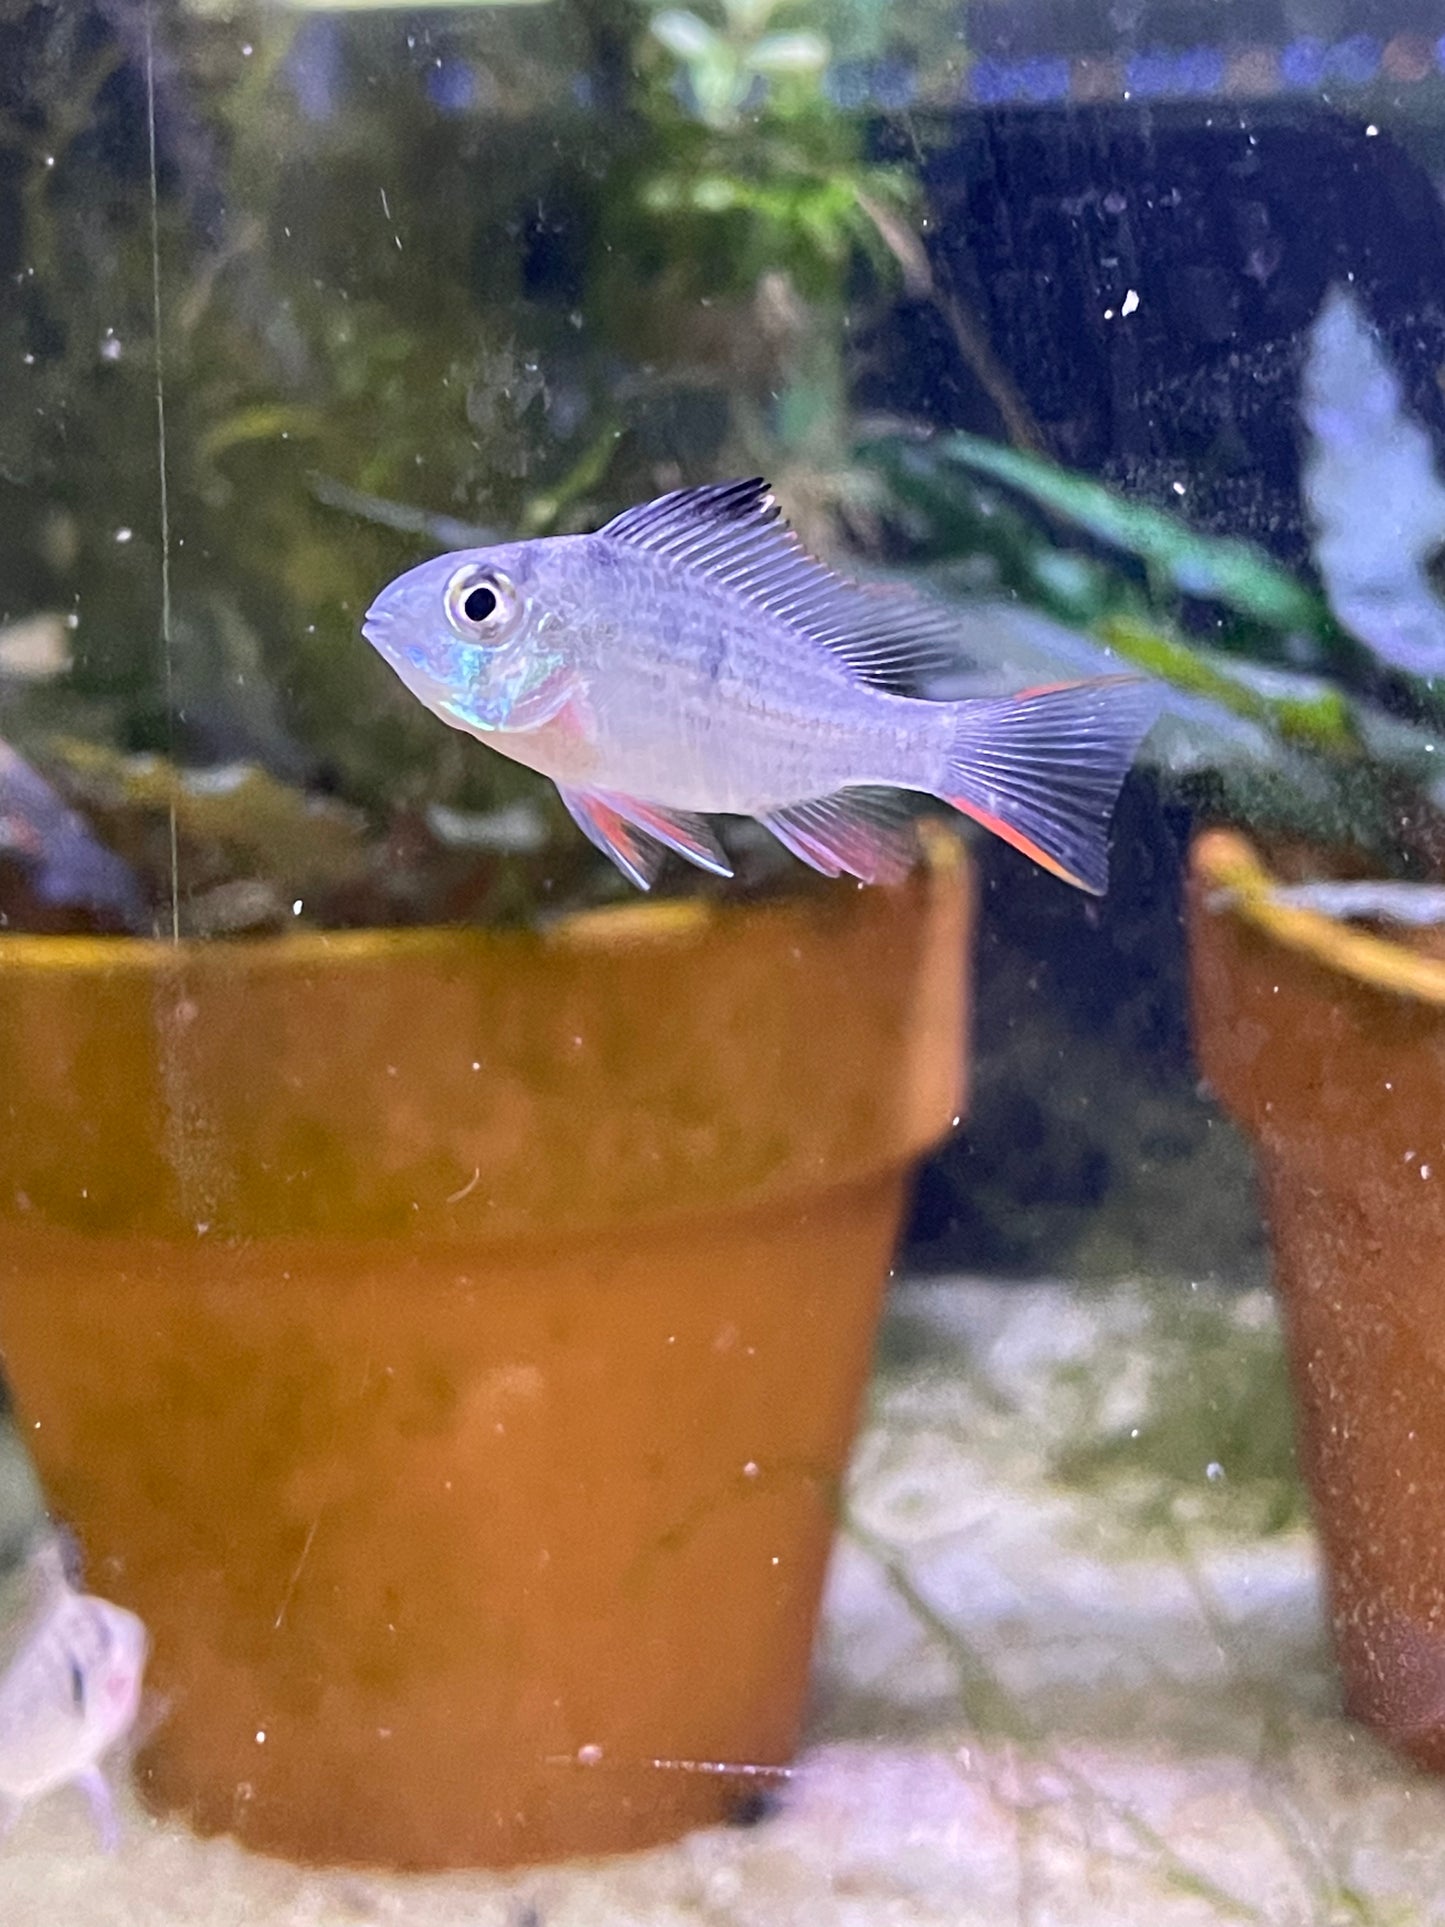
[(734, 534)]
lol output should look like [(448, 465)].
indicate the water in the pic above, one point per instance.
[(438, 1290)]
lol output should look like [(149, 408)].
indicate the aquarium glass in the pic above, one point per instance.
[(630, 1291)]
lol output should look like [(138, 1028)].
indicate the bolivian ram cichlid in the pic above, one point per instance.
[(691, 658), (70, 1689)]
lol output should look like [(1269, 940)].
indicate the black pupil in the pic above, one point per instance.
[(479, 604)]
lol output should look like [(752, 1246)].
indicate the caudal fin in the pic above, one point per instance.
[(1043, 769)]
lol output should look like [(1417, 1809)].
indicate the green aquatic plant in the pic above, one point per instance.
[(748, 231), (753, 145), (726, 64)]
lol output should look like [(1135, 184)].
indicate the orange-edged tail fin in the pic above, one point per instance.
[(1043, 769)]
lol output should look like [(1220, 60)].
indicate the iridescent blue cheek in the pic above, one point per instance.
[(472, 667), (481, 694), (485, 708)]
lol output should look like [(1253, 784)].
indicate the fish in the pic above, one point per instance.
[(691, 659), (63, 861), (70, 1691)]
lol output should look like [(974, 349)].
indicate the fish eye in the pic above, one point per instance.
[(481, 603)]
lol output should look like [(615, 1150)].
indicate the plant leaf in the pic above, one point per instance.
[(684, 35), (789, 53), (1374, 493), (1224, 570)]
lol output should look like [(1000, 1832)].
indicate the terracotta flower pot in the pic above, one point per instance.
[(1327, 1044), (450, 1342)]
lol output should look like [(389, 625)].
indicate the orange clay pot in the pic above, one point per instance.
[(450, 1342), (1327, 1044)]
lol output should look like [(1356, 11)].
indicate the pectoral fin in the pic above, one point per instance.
[(635, 834)]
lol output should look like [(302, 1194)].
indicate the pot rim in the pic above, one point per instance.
[(653, 921), (1238, 883)]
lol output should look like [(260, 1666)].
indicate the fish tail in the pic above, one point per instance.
[(1043, 769)]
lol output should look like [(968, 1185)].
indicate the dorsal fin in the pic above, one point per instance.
[(735, 535)]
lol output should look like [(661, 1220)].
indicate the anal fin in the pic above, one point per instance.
[(634, 833), (863, 833)]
